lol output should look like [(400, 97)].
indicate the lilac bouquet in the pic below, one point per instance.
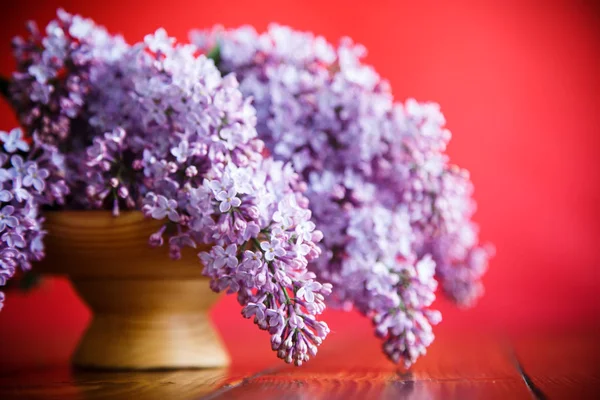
[(154, 127), (304, 177), (395, 214)]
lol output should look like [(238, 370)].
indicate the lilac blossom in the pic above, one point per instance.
[(13, 141), (35, 177), (52, 78), (21, 230), (228, 200), (272, 249), (394, 213), (165, 208), (154, 127)]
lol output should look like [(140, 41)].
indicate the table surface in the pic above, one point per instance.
[(461, 366)]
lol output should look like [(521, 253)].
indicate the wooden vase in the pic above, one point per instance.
[(148, 311)]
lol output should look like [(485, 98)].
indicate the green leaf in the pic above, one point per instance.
[(29, 280), (24, 281), (215, 55)]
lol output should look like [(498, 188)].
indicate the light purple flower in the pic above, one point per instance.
[(225, 257), (7, 218), (165, 208), (159, 41), (252, 230), (181, 151), (14, 239), (305, 230), (19, 169), (21, 194), (254, 309), (307, 292), (13, 140), (272, 249), (275, 318), (301, 248), (228, 200), (252, 260), (35, 177), (96, 152)]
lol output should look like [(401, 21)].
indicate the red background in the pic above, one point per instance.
[(519, 83)]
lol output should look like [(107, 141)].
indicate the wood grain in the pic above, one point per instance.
[(561, 366), (93, 244), (465, 366), (148, 324), (148, 311), (64, 384), (469, 367)]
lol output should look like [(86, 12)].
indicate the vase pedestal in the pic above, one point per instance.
[(148, 324), (148, 311)]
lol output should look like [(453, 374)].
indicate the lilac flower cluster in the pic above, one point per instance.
[(51, 83), (395, 214), (154, 127), (28, 178)]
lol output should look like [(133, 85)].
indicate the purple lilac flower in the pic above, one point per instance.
[(51, 83), (228, 200), (13, 141), (24, 182), (392, 209), (165, 208), (155, 127)]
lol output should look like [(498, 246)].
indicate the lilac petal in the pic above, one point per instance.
[(28, 180), (231, 250), (310, 296), (221, 196), (39, 184), (224, 207), (162, 201), (280, 252), (220, 262), (16, 161), (5, 196), (7, 210), (159, 213), (173, 216), (43, 173), (22, 145), (11, 221)]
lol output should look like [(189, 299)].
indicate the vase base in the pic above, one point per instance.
[(148, 325)]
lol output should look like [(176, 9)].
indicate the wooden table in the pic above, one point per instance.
[(460, 366)]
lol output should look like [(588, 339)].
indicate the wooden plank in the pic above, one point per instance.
[(561, 366), (456, 367), (466, 367), (372, 386), (64, 384)]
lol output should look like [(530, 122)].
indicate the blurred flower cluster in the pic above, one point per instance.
[(394, 212), (29, 178), (154, 127)]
